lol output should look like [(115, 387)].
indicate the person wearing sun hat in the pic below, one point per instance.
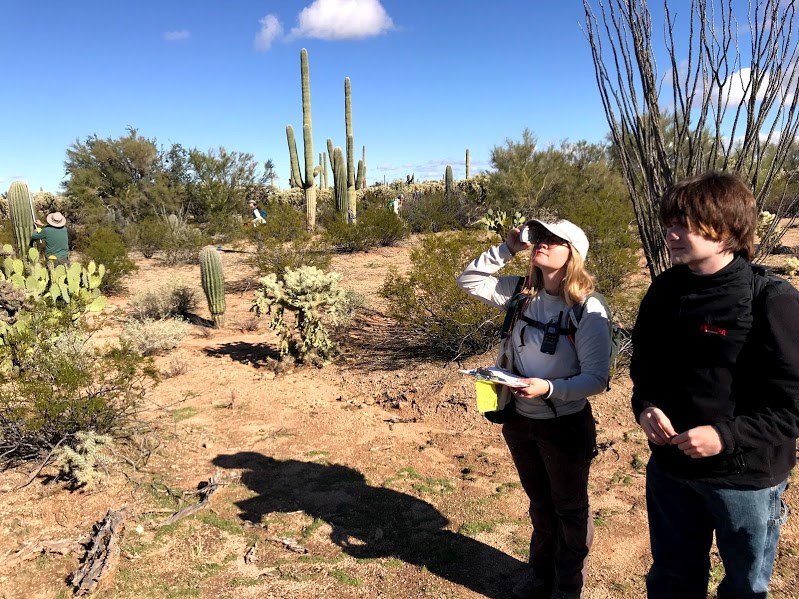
[(56, 238), (550, 429)]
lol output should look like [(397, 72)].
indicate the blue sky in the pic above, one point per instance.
[(429, 79)]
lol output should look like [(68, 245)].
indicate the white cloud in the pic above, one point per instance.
[(271, 29), (177, 35), (738, 87), (342, 19)]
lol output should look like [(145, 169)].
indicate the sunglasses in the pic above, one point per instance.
[(544, 236)]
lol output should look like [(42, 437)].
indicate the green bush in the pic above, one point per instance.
[(433, 212), (376, 226), (105, 246), (429, 304), (275, 257), (148, 235), (62, 385), (283, 223)]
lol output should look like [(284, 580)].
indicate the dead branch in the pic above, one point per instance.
[(205, 496), (290, 544), (32, 550), (103, 553)]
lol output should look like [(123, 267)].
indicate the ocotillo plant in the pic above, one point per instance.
[(467, 163), (448, 180), (213, 282), (21, 213), (307, 182)]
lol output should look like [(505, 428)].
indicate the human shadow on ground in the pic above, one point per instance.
[(254, 354), (371, 522)]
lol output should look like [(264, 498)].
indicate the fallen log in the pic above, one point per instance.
[(31, 550), (102, 555)]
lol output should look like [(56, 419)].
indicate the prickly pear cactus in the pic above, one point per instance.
[(213, 282), (21, 214)]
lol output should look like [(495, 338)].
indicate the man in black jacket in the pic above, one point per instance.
[(715, 373)]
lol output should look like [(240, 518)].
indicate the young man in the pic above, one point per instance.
[(715, 370)]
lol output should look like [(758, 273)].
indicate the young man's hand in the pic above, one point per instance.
[(699, 442), (657, 426)]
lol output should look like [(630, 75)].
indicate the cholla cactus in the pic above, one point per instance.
[(791, 266), (316, 301), (86, 462)]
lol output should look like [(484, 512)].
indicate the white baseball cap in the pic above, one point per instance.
[(568, 231)]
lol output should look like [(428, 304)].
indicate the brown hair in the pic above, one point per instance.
[(718, 206), (576, 285)]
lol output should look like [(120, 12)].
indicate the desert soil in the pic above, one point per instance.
[(373, 476)]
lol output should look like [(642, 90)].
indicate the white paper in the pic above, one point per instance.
[(497, 375)]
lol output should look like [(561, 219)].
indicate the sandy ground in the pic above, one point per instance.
[(370, 477)]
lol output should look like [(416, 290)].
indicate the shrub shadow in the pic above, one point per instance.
[(253, 354), (371, 522)]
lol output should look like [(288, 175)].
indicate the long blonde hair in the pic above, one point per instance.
[(575, 286)]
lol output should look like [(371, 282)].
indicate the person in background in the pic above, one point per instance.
[(715, 371), (552, 435), (257, 215), (56, 238)]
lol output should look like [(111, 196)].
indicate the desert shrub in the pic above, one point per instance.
[(183, 241), (376, 226), (105, 246), (429, 304), (274, 257), (149, 337), (432, 212), (317, 304), (62, 385), (148, 235), (168, 301), (283, 223)]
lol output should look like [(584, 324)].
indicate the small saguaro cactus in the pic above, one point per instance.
[(467, 163), (297, 180), (448, 180), (213, 282), (21, 213), (360, 181)]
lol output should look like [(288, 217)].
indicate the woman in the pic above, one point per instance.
[(552, 436)]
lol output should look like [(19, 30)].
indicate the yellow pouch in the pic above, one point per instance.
[(486, 396)]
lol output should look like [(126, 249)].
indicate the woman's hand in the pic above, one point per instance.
[(535, 388), (513, 242)]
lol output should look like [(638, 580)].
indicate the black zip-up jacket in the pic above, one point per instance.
[(706, 351)]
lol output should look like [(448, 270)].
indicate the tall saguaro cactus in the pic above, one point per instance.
[(21, 213), (306, 182), (351, 196), (213, 283), (467, 163)]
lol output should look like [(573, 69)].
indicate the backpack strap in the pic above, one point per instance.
[(760, 278), (516, 300)]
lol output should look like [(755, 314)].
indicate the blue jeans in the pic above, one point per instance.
[(683, 514)]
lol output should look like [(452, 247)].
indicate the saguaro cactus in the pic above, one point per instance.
[(448, 180), (467, 163), (306, 182), (21, 214), (213, 282), (360, 180), (351, 197)]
